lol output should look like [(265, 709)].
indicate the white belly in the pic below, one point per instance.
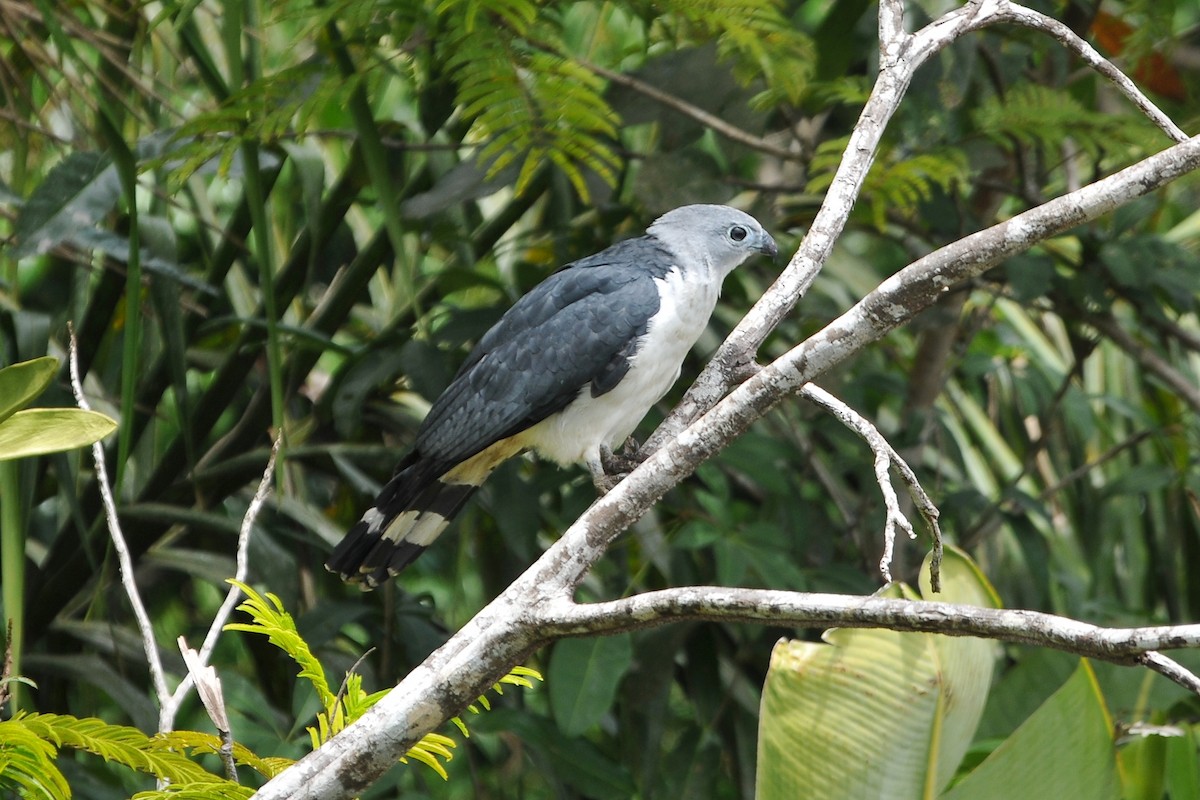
[(576, 433)]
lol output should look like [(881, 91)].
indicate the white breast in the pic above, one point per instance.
[(575, 434)]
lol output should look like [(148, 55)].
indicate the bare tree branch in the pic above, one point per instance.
[(125, 561), (901, 55), (886, 457), (1171, 669), (168, 710), (730, 132), (1013, 12), (1118, 645)]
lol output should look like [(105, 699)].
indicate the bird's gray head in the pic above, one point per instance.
[(719, 237)]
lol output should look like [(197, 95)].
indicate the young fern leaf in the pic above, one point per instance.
[(209, 744), (896, 185), (27, 764), (338, 710), (214, 790), (1042, 117), (527, 100), (117, 743), (277, 625), (762, 44)]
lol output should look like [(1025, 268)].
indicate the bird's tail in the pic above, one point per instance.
[(414, 507)]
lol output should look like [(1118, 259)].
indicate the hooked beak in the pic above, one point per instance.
[(767, 246)]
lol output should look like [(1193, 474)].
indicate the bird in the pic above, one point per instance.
[(567, 372)]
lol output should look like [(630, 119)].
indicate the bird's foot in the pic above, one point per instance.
[(615, 466)]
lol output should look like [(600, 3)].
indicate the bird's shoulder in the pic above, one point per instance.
[(581, 287)]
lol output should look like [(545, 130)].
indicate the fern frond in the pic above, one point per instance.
[(207, 743), (898, 185), (528, 102), (339, 710), (277, 625), (432, 747), (519, 676), (1042, 117), (759, 40), (27, 763), (118, 743), (214, 790), (852, 90)]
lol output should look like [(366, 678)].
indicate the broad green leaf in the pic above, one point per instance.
[(77, 193), (1064, 750), (1183, 768), (21, 383), (38, 431), (875, 713), (583, 679)]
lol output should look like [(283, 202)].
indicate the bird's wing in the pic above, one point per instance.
[(578, 327)]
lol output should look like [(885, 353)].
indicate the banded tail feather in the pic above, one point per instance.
[(410, 512)]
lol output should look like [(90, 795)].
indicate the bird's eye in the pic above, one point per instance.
[(737, 233)]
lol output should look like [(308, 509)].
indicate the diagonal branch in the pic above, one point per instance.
[(1180, 384)]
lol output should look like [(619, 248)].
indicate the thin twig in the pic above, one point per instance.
[(1021, 15), (166, 720), (731, 132), (1171, 669), (124, 559), (885, 458), (208, 687)]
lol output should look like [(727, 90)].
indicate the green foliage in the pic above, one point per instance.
[(26, 432), (29, 743), (351, 701), (118, 744), (27, 763), (528, 104), (1043, 118), (764, 45), (1065, 749), (198, 743), (271, 620), (898, 185), (870, 713), (215, 790)]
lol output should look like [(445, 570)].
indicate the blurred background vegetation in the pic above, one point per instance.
[(298, 216)]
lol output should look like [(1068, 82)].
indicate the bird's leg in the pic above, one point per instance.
[(600, 478), (630, 457), (609, 468)]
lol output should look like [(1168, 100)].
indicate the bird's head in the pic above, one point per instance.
[(719, 236)]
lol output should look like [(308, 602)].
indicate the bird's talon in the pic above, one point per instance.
[(623, 463)]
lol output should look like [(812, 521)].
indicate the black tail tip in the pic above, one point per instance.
[(369, 560)]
